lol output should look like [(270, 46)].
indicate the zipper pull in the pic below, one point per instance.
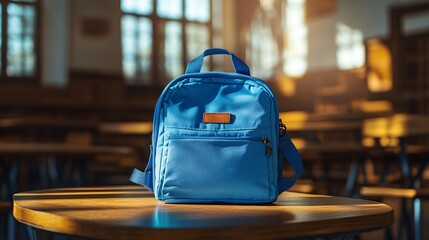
[(268, 148), (282, 128)]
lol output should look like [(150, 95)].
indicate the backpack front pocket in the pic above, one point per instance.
[(210, 169)]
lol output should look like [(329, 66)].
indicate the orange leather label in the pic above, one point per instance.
[(217, 118)]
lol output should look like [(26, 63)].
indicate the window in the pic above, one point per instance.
[(159, 37), (271, 50), (350, 47), (295, 51), (19, 35), (262, 49)]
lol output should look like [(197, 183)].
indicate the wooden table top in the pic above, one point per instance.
[(333, 147), (126, 128), (305, 116), (32, 149), (301, 121), (396, 126), (323, 126), (394, 192), (130, 212)]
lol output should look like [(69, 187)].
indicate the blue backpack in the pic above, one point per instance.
[(217, 137)]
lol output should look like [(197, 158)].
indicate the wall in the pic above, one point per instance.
[(65, 48), (95, 53)]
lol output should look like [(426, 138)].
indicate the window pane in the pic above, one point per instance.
[(129, 28), (169, 9), (197, 39), (137, 6), (137, 49), (295, 52), (145, 49), (21, 49), (29, 60), (350, 48), (129, 67), (197, 10), (173, 49), (262, 51)]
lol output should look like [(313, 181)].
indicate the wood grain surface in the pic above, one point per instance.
[(398, 125), (130, 212)]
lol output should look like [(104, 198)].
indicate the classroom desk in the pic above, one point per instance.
[(397, 126), (326, 139), (12, 156), (408, 219), (402, 127), (130, 212)]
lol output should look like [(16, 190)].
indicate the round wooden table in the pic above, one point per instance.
[(130, 212)]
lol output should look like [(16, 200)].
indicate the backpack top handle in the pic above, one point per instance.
[(239, 66)]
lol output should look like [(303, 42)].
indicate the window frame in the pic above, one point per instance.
[(35, 78), (158, 72)]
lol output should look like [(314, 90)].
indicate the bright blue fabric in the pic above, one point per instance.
[(239, 66), (142, 178), (193, 161), (290, 153)]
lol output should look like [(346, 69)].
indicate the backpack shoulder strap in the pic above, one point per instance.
[(289, 151), (144, 178)]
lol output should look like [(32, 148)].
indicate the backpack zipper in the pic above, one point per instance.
[(265, 140), (282, 128), (268, 147)]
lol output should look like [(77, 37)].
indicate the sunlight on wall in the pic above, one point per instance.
[(286, 85), (379, 66), (350, 47), (295, 50)]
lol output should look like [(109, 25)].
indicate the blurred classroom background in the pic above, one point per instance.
[(80, 79)]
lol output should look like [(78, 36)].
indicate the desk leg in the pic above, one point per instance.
[(78, 172), (404, 221), (11, 227), (4, 186), (352, 179), (417, 180), (405, 165), (388, 233), (3, 226), (417, 205), (31, 233), (54, 172), (385, 170), (12, 178)]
